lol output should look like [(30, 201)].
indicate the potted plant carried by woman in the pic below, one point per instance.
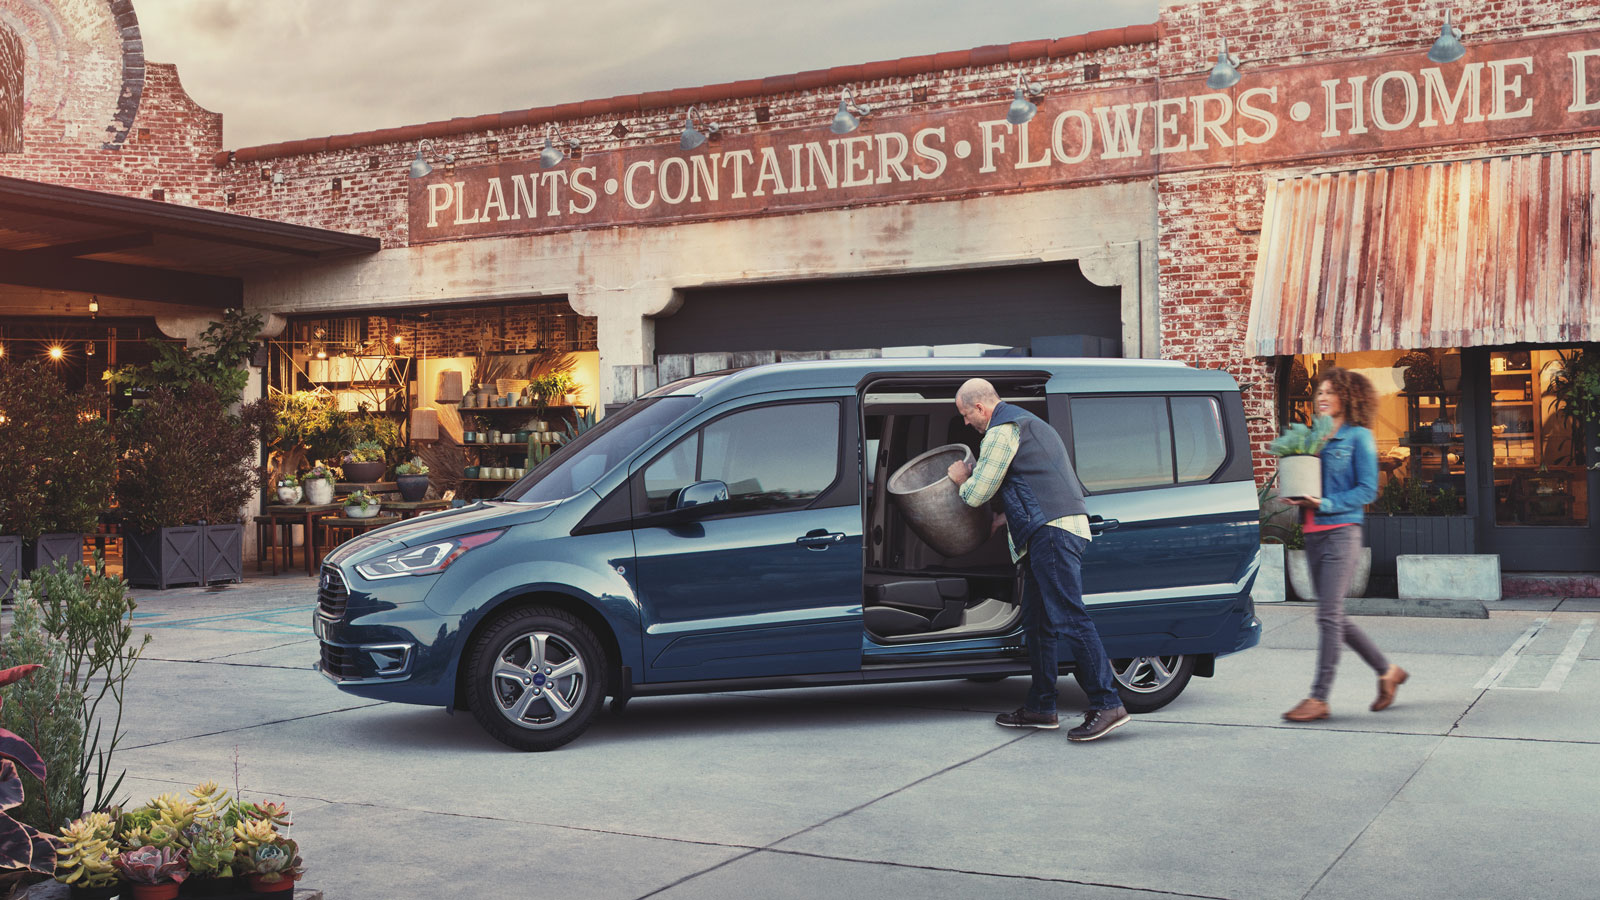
[(361, 505), (1299, 469), (318, 484), (153, 872), (289, 490), (364, 462), (412, 477)]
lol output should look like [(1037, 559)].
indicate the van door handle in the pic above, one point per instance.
[(819, 539), (1098, 524)]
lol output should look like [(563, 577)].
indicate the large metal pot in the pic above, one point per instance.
[(932, 503)]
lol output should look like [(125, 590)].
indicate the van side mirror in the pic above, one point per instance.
[(702, 493)]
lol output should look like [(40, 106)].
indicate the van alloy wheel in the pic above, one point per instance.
[(1148, 683), (535, 677), (539, 681)]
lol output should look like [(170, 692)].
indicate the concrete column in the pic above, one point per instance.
[(625, 326)]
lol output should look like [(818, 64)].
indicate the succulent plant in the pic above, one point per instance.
[(276, 861), (210, 800), (415, 467), (211, 849), (153, 865), (86, 857)]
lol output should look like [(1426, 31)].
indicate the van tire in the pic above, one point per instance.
[(561, 708), (1147, 683)]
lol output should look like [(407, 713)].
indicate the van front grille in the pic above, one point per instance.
[(332, 595), (340, 662)]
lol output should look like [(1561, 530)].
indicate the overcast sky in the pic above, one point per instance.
[(286, 69)]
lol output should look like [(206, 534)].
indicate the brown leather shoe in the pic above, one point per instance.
[(1309, 710), (1392, 678)]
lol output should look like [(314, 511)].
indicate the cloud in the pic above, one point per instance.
[(302, 68)]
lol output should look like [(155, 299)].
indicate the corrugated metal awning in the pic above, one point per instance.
[(1454, 254)]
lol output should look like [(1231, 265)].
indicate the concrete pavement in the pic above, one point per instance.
[(1478, 783)]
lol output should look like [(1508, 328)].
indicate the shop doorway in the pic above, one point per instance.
[(1535, 479)]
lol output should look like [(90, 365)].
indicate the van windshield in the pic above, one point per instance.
[(579, 464)]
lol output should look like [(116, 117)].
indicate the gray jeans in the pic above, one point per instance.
[(1332, 556)]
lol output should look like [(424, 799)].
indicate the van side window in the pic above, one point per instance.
[(770, 457), (1197, 438), (1122, 443)]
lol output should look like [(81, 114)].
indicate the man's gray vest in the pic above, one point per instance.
[(1040, 486)]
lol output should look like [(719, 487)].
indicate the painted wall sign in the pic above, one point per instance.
[(1543, 86)]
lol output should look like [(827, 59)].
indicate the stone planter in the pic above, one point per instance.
[(354, 511), (364, 472), (1270, 586), (1393, 536), (412, 487), (43, 553), (10, 563), (1299, 569), (165, 557), (319, 491), (222, 549), (1299, 476)]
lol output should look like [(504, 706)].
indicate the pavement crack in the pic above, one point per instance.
[(190, 737)]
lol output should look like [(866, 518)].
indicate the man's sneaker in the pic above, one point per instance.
[(1022, 717), (1097, 723)]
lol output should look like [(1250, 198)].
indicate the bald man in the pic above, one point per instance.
[(1023, 460)]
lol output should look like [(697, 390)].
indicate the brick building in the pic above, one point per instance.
[(1346, 201)]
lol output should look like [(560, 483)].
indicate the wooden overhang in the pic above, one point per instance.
[(1465, 253), (67, 239)]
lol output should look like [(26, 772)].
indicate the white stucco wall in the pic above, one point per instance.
[(625, 276)]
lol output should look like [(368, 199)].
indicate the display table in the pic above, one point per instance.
[(283, 518), (335, 527), (406, 509)]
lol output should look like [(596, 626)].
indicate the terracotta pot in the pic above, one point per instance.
[(96, 893), (272, 887), (167, 890)]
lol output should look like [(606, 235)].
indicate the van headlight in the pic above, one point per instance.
[(428, 559)]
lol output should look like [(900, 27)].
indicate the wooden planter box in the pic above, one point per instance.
[(222, 547), (43, 553), (166, 557), (1392, 536), (10, 563)]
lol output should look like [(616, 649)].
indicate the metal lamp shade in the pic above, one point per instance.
[(1022, 109), (420, 167), (844, 121), (1447, 48), (1224, 74), (692, 138)]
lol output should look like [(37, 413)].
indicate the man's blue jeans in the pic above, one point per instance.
[(1053, 611)]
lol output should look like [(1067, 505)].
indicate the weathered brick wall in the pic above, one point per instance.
[(171, 146), (1209, 221), (371, 167)]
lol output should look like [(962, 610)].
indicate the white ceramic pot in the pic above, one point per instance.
[(318, 491), (354, 511), (290, 493), (1299, 476)]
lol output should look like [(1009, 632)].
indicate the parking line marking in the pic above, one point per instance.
[(1569, 657), (1509, 658)]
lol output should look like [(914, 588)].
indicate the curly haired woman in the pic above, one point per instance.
[(1333, 530)]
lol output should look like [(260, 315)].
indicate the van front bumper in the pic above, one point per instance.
[(398, 651)]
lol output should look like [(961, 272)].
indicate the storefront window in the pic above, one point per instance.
[(1422, 454), (1539, 476)]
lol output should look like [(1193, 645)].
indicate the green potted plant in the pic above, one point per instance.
[(364, 463), (269, 857), (289, 489), (1299, 468), (153, 873), (412, 478), (318, 483), (361, 505), (86, 860)]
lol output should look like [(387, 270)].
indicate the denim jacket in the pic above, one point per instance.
[(1349, 475)]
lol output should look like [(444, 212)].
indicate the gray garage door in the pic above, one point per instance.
[(1007, 306)]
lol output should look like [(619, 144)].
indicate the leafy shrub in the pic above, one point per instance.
[(188, 459), (59, 462), (89, 616), (1413, 497), (47, 711), (219, 365)]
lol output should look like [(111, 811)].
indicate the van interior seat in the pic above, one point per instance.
[(900, 605)]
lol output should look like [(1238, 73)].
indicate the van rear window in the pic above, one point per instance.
[(1124, 443)]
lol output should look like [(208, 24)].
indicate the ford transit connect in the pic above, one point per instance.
[(733, 531)]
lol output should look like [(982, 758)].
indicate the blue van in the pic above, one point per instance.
[(732, 531)]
